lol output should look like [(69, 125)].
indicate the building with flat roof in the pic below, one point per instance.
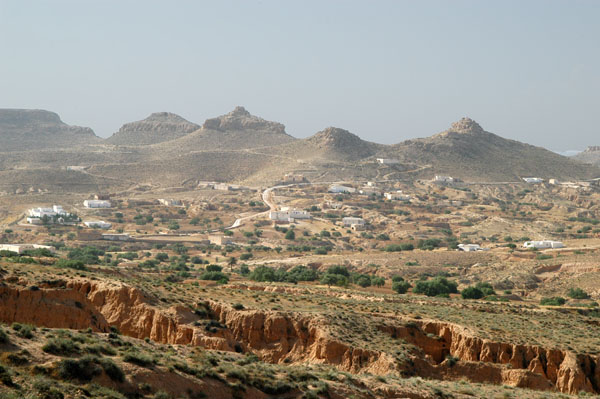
[(97, 204)]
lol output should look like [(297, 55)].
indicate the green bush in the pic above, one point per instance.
[(435, 287), (113, 371), (577, 293), (290, 235), (245, 256), (3, 337), (553, 301), (61, 347), (214, 276), (23, 330), (213, 268), (401, 287), (471, 293), (83, 369), (138, 359)]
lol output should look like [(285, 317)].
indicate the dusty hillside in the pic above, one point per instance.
[(158, 127), (466, 150), (26, 130)]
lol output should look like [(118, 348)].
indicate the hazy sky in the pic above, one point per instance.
[(385, 70)]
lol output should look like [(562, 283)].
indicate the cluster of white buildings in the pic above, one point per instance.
[(544, 244), (97, 204), (97, 224), (54, 214), (289, 215)]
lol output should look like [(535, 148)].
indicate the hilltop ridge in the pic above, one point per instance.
[(157, 128)]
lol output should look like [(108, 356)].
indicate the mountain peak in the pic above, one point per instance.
[(241, 119), (334, 137), (466, 125)]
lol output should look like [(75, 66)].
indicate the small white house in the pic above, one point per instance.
[(444, 179), (349, 221), (336, 188), (469, 247), (533, 180), (545, 244), (397, 196), (370, 191), (170, 202), (387, 161), (98, 224), (96, 204), (289, 215)]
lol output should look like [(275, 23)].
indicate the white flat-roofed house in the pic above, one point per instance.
[(350, 220), (56, 210), (469, 247), (397, 196), (289, 215), (56, 214), (98, 224), (20, 248), (533, 180), (544, 244), (336, 188), (170, 202), (218, 239), (387, 161), (444, 179), (96, 204)]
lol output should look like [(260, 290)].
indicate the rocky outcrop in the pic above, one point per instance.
[(157, 128), (240, 119), (341, 143)]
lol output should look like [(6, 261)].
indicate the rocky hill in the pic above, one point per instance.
[(237, 130), (466, 150), (26, 130), (157, 128), (590, 155), (337, 143)]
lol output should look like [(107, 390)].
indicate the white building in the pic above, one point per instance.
[(56, 210), (170, 202), (533, 180), (369, 191), (217, 239), (98, 224), (444, 179), (469, 247), (20, 248), (116, 237), (387, 161), (349, 221), (96, 204), (398, 196), (293, 178), (336, 188), (545, 244), (289, 215)]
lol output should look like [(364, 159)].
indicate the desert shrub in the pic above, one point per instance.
[(5, 377), (3, 337), (338, 269), (334, 279), (23, 330), (401, 287), (213, 268), (302, 273), (89, 255), (100, 349), (290, 235), (429, 244), (435, 287), (377, 281), (577, 293), (39, 252), (45, 390), (162, 256), (83, 369), (553, 301), (238, 306), (61, 347), (70, 264), (138, 359), (471, 293), (214, 276), (245, 256), (111, 369)]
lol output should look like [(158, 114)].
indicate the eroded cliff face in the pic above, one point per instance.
[(293, 337)]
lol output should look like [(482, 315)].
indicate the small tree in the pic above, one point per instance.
[(290, 235), (471, 293), (232, 262), (401, 287)]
